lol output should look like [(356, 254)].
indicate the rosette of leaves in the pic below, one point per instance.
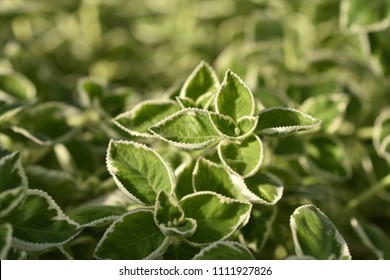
[(30, 220), (161, 220), (203, 202)]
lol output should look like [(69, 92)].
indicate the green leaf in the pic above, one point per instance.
[(5, 239), (281, 122), (167, 209), (185, 102), (217, 217), (259, 228), (224, 250), (234, 98), (360, 15), (225, 125), (147, 113), (139, 171), (13, 182), (263, 188), (190, 129), (202, 80), (327, 157), (61, 186), (90, 91), (315, 235), (184, 179), (134, 236), (96, 215), (9, 110), (229, 129), (39, 223), (180, 250), (47, 123), (169, 217), (209, 176), (373, 238), (381, 134), (299, 35), (243, 159), (330, 108), (15, 87), (247, 125)]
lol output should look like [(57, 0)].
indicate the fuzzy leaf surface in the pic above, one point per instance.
[(234, 98), (187, 129), (315, 235), (134, 236), (201, 81), (39, 223), (96, 215), (217, 216), (280, 122), (137, 121), (139, 171), (209, 176), (243, 159), (264, 188)]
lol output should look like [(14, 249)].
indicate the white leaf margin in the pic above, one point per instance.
[(8, 241), (250, 173), (253, 198), (231, 244), (134, 111), (224, 84), (242, 221), (24, 182), (344, 250), (380, 144), (374, 27), (112, 170), (194, 73), (289, 128), (185, 146), (153, 255), (32, 246)]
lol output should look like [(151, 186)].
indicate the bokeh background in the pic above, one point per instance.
[(70, 66)]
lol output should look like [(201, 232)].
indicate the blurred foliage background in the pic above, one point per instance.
[(68, 67)]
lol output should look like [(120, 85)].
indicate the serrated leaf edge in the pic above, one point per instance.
[(134, 111), (192, 146), (224, 84), (33, 246), (289, 128), (153, 255), (231, 244), (8, 241), (24, 181), (112, 170), (241, 222), (250, 173), (344, 250), (253, 198), (166, 229), (193, 74)]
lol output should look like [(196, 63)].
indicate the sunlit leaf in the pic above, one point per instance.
[(315, 235)]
